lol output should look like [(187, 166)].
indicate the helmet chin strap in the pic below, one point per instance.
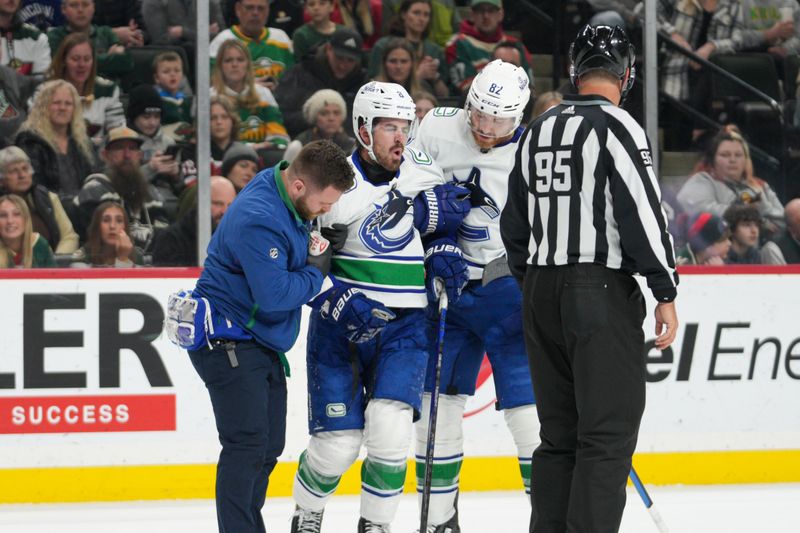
[(368, 147)]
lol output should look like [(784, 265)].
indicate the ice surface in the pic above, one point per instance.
[(708, 509)]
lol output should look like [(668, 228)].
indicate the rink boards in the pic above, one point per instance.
[(95, 404)]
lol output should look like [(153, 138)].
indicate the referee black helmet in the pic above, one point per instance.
[(602, 48)]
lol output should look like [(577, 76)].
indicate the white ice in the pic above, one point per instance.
[(695, 509)]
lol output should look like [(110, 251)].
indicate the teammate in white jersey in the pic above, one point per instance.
[(475, 147), (367, 349)]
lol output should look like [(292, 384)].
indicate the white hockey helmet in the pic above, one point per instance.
[(499, 93), (378, 99)]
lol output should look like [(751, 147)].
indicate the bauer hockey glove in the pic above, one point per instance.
[(443, 260), (362, 318), (441, 209)]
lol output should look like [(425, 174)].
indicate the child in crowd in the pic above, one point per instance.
[(707, 241), (168, 75), (744, 222), (317, 30)]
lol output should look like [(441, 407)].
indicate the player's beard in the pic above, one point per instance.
[(387, 159)]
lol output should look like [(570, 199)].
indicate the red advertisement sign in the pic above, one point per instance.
[(87, 414)]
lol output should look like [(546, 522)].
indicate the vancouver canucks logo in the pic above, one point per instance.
[(380, 232), (478, 197)]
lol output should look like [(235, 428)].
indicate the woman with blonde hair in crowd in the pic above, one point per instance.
[(398, 65), (725, 178), (76, 62), (224, 122), (261, 120), (108, 240), (48, 216), (20, 246), (54, 137)]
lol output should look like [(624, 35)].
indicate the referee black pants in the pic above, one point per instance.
[(583, 335)]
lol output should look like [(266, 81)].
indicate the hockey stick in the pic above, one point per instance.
[(426, 485), (648, 502)]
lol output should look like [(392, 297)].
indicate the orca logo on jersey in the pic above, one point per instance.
[(478, 197), (380, 232)]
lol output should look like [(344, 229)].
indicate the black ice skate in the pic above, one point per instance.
[(451, 526), (365, 526), (305, 521)]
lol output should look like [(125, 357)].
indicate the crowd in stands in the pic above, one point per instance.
[(98, 159)]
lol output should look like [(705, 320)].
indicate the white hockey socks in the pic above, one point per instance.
[(387, 437), (523, 422), (448, 454), (328, 456)]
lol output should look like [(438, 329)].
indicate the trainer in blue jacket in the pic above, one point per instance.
[(257, 276)]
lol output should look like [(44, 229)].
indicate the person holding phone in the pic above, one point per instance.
[(159, 150)]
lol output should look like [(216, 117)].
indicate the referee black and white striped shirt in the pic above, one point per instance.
[(583, 190)]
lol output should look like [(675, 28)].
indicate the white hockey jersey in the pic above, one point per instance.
[(445, 135), (383, 254)]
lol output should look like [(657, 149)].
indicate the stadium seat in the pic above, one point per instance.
[(791, 67), (757, 70)]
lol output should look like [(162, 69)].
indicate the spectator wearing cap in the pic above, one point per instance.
[(123, 182), (785, 247), (177, 244), (471, 48), (54, 137), (75, 62), (707, 241), (336, 65), (744, 222), (48, 216), (325, 111), (113, 60), (270, 48), (317, 30), (240, 165)]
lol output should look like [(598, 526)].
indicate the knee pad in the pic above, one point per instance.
[(523, 422), (331, 453), (449, 418), (387, 433)]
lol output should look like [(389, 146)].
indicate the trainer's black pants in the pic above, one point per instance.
[(583, 334)]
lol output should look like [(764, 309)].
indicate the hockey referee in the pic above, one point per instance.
[(583, 215)]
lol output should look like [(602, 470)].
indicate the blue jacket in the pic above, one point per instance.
[(256, 273)]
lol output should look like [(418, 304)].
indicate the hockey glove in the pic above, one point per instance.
[(319, 252), (441, 209), (336, 235), (443, 260), (362, 318)]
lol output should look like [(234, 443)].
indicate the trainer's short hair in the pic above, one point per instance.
[(324, 164)]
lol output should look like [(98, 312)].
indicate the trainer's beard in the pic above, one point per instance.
[(128, 181)]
